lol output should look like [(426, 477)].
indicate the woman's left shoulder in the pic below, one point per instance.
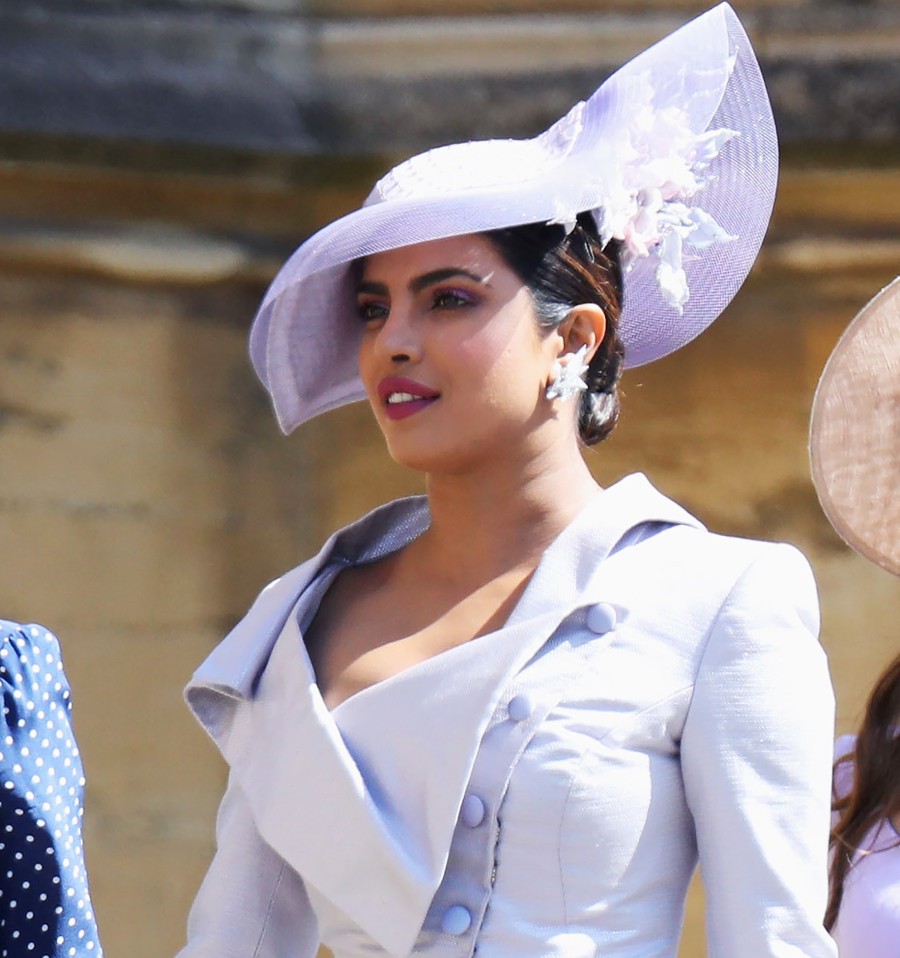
[(769, 600), (748, 552), (755, 563), (779, 567), (770, 575), (751, 590), (728, 565)]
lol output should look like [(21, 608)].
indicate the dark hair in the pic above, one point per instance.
[(565, 270), (875, 794)]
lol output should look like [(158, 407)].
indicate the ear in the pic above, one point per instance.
[(585, 325)]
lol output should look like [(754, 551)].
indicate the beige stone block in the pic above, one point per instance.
[(142, 897), (289, 197), (78, 569), (151, 767), (860, 611), (154, 782), (144, 478), (841, 196)]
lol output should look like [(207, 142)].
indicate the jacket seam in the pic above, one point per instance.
[(559, 842), (268, 914), (635, 716)]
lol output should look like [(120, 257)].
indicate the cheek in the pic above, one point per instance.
[(510, 341), (363, 361)]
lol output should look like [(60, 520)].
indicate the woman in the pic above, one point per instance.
[(855, 459), (864, 905), (45, 905), (505, 716)]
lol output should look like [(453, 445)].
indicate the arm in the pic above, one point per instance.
[(251, 903), (45, 906), (756, 760)]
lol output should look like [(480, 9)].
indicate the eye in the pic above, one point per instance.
[(452, 299), (372, 311)]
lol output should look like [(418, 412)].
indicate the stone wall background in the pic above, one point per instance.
[(158, 159)]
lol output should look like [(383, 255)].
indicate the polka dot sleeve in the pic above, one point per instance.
[(45, 906)]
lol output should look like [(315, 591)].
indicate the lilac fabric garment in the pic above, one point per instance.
[(868, 925), (542, 792)]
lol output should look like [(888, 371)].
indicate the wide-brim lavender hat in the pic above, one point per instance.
[(675, 154), (855, 432)]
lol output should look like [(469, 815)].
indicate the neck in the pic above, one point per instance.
[(504, 516)]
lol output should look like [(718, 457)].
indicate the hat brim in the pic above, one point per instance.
[(855, 432), (306, 334)]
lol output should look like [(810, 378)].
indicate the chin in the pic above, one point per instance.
[(440, 457), (419, 457)]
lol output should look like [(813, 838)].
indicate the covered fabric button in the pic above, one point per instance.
[(472, 811), (456, 920), (519, 708), (601, 618)]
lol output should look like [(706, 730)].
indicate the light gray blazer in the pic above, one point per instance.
[(658, 695)]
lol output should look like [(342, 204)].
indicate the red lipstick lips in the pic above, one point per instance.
[(402, 397)]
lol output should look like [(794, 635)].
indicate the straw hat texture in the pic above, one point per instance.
[(855, 432)]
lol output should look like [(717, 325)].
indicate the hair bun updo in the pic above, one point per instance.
[(563, 270)]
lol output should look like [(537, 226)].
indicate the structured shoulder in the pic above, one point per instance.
[(736, 551), (692, 582), (689, 553)]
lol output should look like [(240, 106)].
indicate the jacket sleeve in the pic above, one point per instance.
[(45, 904), (251, 904), (756, 759)]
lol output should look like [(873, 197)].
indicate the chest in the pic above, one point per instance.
[(371, 624)]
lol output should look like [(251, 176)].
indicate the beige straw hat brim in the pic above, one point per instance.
[(855, 432)]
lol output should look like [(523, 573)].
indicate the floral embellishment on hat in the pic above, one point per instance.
[(661, 166)]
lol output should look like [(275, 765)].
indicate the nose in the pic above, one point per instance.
[(398, 338)]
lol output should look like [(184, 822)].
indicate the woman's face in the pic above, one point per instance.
[(452, 358)]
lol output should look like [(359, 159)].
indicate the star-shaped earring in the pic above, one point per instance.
[(567, 375)]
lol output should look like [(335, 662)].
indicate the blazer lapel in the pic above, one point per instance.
[(349, 798), (229, 674), (567, 575)]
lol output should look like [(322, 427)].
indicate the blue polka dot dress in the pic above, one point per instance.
[(45, 907)]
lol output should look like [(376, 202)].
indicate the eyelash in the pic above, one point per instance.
[(373, 311), (451, 299)]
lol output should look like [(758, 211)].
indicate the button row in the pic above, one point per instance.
[(601, 618), (520, 708), (456, 921), (472, 812)]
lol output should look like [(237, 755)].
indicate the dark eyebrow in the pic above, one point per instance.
[(439, 275), (375, 289), (422, 282)]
